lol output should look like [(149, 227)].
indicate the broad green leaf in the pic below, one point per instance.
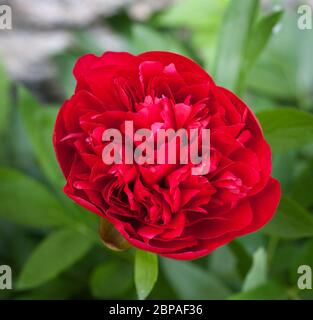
[(291, 221), (282, 163), (269, 78), (25, 201), (302, 186), (111, 279), (234, 37), (79, 218), (89, 43), (260, 36), (304, 78), (286, 128), (258, 273), (15, 244), (243, 258), (258, 102), (39, 123), (5, 99), (146, 272), (204, 31), (85, 223), (258, 40), (303, 294), (274, 74), (251, 243), (281, 262), (61, 288), (6, 295), (268, 291), (192, 282), (56, 253), (64, 63), (178, 15), (222, 262), (147, 39), (304, 256)]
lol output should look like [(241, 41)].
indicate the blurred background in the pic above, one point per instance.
[(252, 47)]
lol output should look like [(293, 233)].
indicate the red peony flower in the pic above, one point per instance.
[(164, 208)]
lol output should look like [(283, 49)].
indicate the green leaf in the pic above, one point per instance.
[(260, 36), (79, 218), (274, 74), (282, 163), (111, 279), (56, 253), (302, 186), (64, 63), (192, 282), (239, 19), (178, 15), (204, 31), (25, 201), (286, 128), (61, 288), (304, 256), (258, 40), (268, 291), (291, 221), (147, 39), (223, 263), (243, 258), (251, 243), (270, 79), (5, 99), (258, 272), (303, 45), (146, 272), (39, 123)]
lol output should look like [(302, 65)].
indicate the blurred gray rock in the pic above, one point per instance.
[(26, 53), (53, 13), (42, 29), (142, 10)]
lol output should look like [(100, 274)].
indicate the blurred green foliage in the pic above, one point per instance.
[(53, 245)]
